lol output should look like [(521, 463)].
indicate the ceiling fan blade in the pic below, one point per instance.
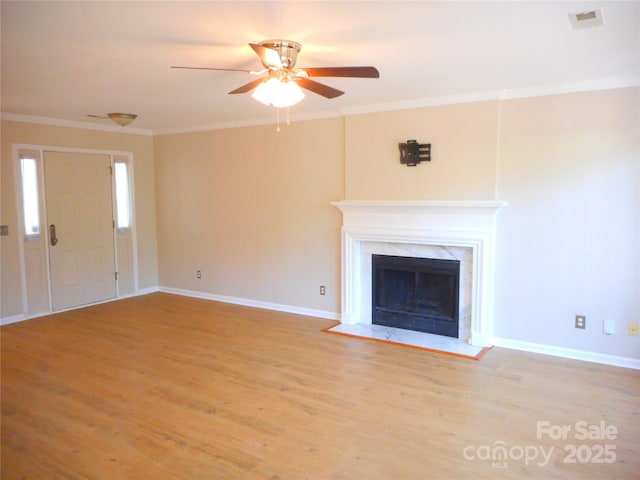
[(319, 88), (248, 86), (270, 57), (219, 69), (360, 72)]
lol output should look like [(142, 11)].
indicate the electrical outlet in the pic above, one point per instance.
[(633, 329), (609, 327), (198, 274), (581, 322), (322, 290)]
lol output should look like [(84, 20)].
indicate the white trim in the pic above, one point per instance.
[(134, 221), (309, 312), (537, 348), (13, 319), (471, 97), (47, 238), (133, 224), (22, 317), (271, 120), (575, 87), (17, 174), (42, 149), (505, 94), (48, 148), (114, 231), (57, 122), (423, 103), (137, 293), (395, 207), (602, 358)]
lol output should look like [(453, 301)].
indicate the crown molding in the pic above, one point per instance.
[(489, 95), (573, 87), (56, 122), (272, 120), (473, 97), (422, 103), (492, 95)]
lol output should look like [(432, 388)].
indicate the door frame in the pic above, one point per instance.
[(44, 239)]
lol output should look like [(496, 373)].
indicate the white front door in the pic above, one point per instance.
[(80, 228)]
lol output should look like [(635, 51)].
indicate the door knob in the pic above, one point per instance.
[(52, 235)]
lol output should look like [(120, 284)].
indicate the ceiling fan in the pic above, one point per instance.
[(280, 87)]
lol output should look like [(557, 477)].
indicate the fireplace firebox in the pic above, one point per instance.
[(420, 294)]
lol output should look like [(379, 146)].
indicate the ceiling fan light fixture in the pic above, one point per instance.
[(263, 92), (279, 93), (122, 119)]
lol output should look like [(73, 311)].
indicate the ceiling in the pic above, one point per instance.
[(64, 60)]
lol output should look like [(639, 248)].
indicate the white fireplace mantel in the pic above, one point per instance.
[(469, 224)]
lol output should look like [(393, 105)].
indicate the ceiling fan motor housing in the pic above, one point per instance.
[(287, 49)]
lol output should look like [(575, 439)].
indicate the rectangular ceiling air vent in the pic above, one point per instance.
[(588, 19)]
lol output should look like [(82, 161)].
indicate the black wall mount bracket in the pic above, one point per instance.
[(412, 153)]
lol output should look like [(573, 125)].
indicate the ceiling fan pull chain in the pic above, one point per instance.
[(278, 117)]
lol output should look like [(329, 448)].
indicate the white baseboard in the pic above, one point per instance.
[(602, 358), (12, 319), (21, 317), (556, 351), (253, 303), (617, 361), (144, 291)]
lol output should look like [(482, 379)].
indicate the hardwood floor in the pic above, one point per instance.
[(169, 387)]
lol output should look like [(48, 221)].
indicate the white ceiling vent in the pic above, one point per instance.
[(588, 19)]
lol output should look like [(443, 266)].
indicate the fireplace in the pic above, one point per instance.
[(450, 230), (419, 294)]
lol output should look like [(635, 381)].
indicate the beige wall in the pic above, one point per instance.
[(250, 208), (568, 165), (237, 203), (463, 139), (569, 241), (54, 136)]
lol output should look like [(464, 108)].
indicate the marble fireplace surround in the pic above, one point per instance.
[(462, 230)]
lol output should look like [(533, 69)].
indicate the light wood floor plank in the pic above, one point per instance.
[(170, 387)]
